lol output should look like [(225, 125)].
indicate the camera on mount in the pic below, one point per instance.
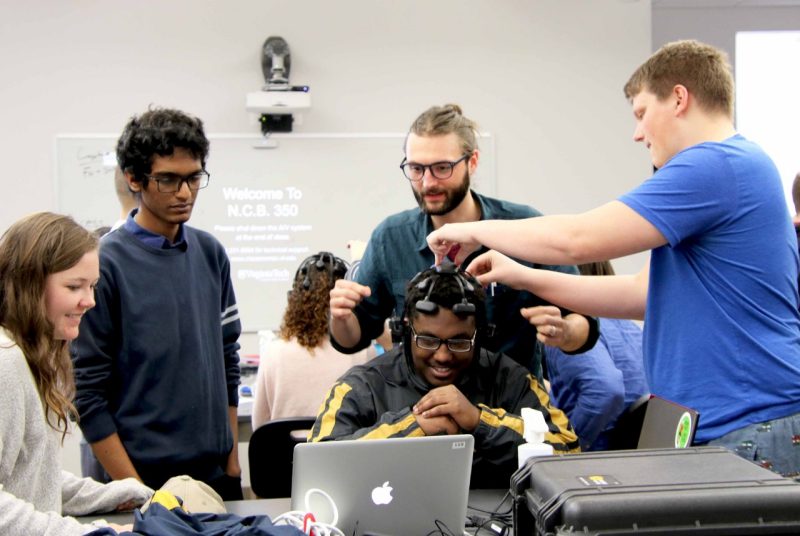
[(278, 101)]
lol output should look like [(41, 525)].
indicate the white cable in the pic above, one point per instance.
[(310, 492), (296, 518)]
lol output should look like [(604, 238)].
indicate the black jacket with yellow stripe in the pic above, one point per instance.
[(373, 401)]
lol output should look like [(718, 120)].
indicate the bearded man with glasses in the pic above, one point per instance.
[(441, 155), (442, 381), (157, 363)]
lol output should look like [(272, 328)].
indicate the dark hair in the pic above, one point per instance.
[(306, 315), (447, 289), (596, 268), (101, 231), (796, 193), (30, 250), (158, 132)]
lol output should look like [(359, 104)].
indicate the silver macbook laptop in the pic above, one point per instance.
[(385, 487)]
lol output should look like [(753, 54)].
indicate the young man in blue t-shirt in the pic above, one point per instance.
[(719, 296)]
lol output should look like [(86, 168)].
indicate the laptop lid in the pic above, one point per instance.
[(667, 424), (386, 486)]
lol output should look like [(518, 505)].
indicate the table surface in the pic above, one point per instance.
[(481, 501)]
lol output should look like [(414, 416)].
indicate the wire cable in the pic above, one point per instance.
[(306, 520), (496, 520)]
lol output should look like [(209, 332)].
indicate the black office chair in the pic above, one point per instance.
[(270, 454)]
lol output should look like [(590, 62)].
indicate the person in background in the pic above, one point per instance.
[(126, 196), (299, 366), (796, 217), (157, 363), (442, 381), (796, 202), (596, 387), (719, 297), (441, 156), (48, 271), (127, 202)]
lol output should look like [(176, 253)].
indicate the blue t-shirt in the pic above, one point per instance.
[(722, 329)]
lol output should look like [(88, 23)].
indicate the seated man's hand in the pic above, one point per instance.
[(442, 425), (449, 401)]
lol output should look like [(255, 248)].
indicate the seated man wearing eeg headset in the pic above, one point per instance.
[(440, 381)]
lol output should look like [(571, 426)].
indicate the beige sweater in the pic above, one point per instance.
[(34, 491), (292, 382)]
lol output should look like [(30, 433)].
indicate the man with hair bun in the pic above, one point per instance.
[(441, 155)]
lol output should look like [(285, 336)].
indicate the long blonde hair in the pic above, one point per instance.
[(31, 249)]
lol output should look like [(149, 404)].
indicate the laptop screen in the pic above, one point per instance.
[(386, 486), (667, 424)]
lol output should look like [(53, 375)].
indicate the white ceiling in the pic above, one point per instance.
[(702, 4)]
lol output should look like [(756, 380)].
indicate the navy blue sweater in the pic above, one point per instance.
[(157, 358)]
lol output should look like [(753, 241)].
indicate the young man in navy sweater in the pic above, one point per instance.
[(156, 363)]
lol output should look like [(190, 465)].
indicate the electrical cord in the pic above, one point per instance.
[(441, 529), (497, 521), (306, 521)]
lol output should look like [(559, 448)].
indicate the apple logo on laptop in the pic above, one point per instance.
[(382, 494)]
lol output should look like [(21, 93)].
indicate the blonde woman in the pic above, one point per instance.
[(48, 270)]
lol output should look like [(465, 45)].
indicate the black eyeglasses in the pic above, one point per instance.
[(440, 170), (429, 342), (171, 182)]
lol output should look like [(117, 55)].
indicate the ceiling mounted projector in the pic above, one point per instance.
[(278, 100)]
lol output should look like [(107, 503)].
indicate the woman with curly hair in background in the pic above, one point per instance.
[(299, 366)]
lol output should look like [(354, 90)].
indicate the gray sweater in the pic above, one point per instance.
[(34, 491)]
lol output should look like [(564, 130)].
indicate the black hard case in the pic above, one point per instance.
[(698, 490)]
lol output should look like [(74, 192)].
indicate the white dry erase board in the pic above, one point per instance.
[(270, 207)]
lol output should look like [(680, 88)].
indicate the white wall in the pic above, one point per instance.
[(771, 121), (543, 77), (718, 25)]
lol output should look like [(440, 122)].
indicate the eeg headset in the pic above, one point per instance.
[(466, 283), (322, 261), (426, 306)]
